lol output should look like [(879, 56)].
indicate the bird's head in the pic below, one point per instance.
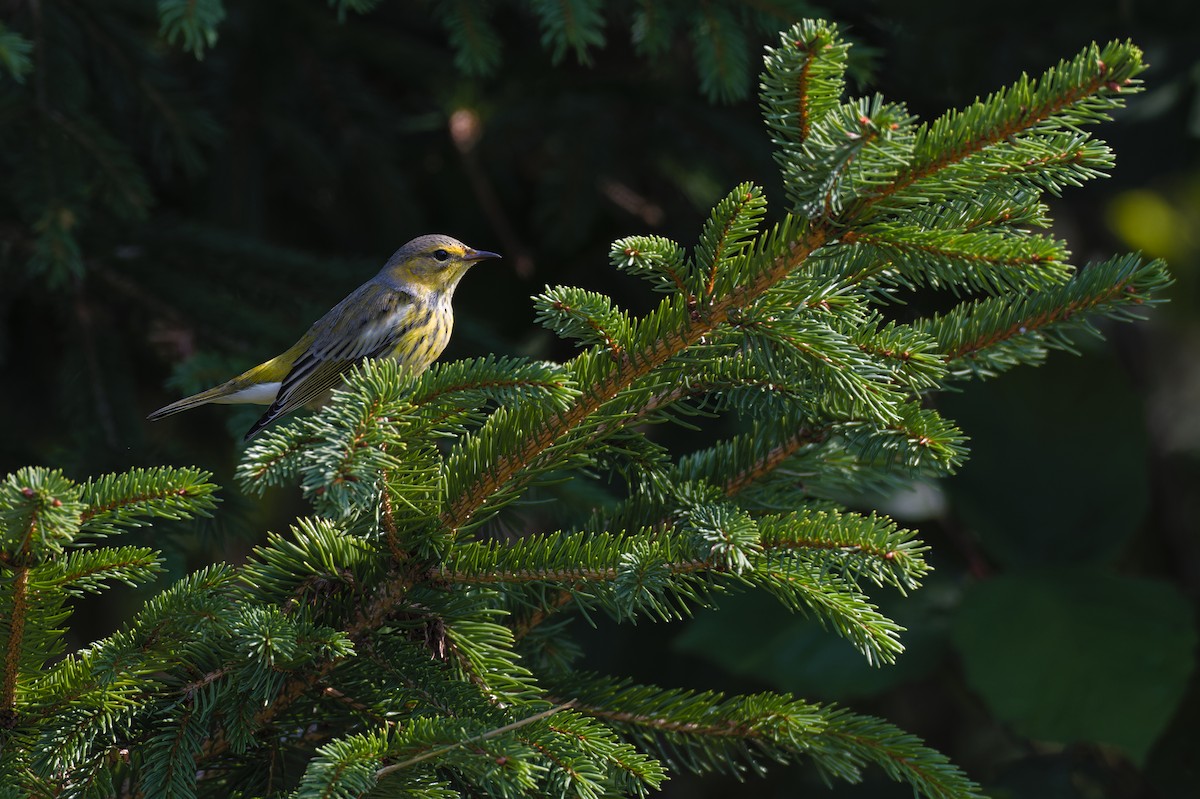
[(434, 263)]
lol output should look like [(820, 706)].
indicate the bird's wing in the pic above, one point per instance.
[(367, 324)]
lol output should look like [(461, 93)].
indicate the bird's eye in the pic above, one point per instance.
[(441, 255)]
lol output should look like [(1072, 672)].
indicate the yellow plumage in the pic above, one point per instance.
[(402, 313)]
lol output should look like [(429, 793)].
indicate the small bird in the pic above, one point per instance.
[(402, 313)]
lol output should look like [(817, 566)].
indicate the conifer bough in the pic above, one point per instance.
[(392, 644)]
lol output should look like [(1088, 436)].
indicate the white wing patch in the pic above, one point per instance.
[(258, 394)]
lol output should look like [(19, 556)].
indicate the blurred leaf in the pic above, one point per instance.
[(1082, 656), (1061, 482)]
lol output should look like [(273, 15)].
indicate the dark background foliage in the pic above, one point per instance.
[(167, 221)]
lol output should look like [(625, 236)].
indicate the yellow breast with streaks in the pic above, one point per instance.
[(427, 333)]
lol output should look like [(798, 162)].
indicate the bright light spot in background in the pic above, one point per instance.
[(1146, 221), (1167, 225)]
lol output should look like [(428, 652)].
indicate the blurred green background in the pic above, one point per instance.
[(168, 221)]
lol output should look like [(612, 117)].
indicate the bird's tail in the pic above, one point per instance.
[(245, 388), (187, 403)]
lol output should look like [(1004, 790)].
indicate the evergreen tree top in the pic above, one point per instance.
[(411, 638)]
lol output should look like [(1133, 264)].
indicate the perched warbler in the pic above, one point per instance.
[(402, 313)]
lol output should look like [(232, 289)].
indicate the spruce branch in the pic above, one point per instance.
[(728, 231), (510, 727), (122, 500), (585, 316), (193, 23), (14, 54), (570, 24), (654, 258), (88, 570), (466, 501), (469, 27), (803, 80), (855, 545), (277, 454), (447, 388), (900, 755), (705, 731), (722, 52), (709, 546), (13, 644), (986, 337), (1075, 93), (739, 479), (856, 147), (985, 262)]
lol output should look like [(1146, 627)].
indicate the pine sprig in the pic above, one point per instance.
[(705, 732), (167, 759), (835, 603), (722, 52), (576, 25), (854, 149), (113, 501), (14, 54), (368, 425), (87, 570), (318, 567), (626, 576), (191, 23), (39, 515), (967, 261), (1073, 94), (44, 517), (479, 647), (802, 81), (729, 229), (659, 260), (830, 359), (275, 457), (712, 544), (744, 461), (987, 337), (586, 316), (859, 547), (901, 756), (468, 25), (442, 392)]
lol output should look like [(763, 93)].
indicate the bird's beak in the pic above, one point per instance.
[(478, 255)]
